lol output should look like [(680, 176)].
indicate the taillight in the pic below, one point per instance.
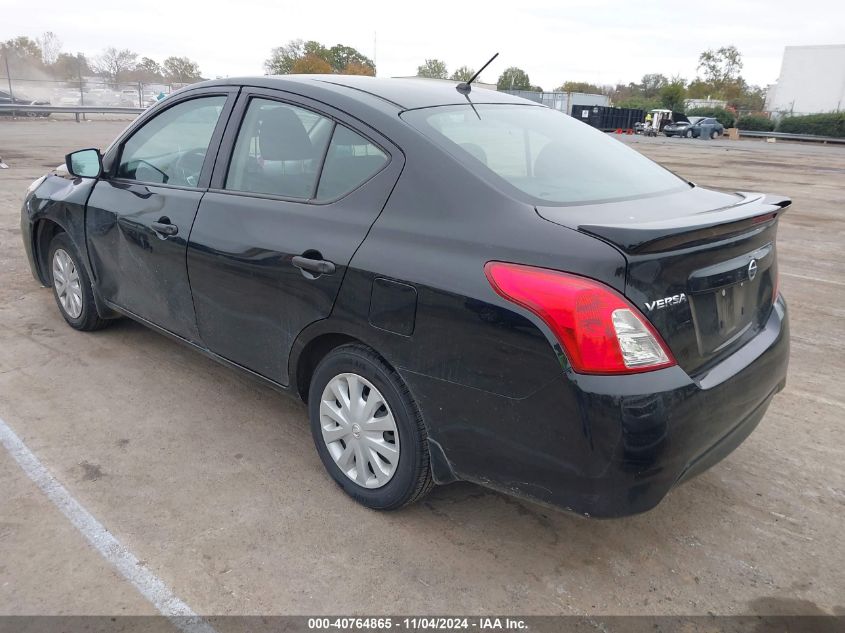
[(601, 332)]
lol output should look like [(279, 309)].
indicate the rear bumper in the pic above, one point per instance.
[(608, 446)]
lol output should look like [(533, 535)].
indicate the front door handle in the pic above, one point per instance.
[(315, 266), (164, 227)]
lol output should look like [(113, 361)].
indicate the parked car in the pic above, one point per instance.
[(565, 321), (20, 99), (692, 128)]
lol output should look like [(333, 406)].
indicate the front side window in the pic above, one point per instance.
[(170, 149), (279, 150), (545, 154)]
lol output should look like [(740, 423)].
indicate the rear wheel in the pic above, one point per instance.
[(367, 429), (72, 286), (714, 134), (688, 134)]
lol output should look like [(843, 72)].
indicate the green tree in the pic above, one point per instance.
[(464, 73), (672, 96), (720, 67), (579, 86), (113, 63), (341, 57), (699, 89), (651, 84), (752, 99), (70, 67), (149, 70), (514, 79), (282, 58), (639, 102), (23, 55), (181, 70), (433, 69), (313, 47)]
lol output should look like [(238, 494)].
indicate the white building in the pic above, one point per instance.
[(812, 80)]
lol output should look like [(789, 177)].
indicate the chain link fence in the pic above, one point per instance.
[(85, 92)]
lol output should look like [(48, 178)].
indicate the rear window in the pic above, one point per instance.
[(543, 153)]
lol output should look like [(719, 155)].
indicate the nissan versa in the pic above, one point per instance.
[(460, 284)]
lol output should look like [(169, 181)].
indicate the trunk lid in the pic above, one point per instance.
[(701, 264)]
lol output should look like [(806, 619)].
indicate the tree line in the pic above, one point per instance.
[(718, 77), (312, 57), (719, 72), (30, 58)]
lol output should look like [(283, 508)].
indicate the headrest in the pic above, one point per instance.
[(547, 163), (282, 136)]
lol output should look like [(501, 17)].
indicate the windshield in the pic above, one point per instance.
[(695, 119), (543, 153)]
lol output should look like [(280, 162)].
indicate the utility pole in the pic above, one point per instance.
[(81, 92), (8, 74)]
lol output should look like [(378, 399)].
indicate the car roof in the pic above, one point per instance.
[(404, 93)]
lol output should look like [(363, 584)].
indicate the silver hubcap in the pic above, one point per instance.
[(66, 282), (359, 430)]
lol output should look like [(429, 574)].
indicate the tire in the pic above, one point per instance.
[(688, 134), (715, 134), (72, 286), (409, 478)]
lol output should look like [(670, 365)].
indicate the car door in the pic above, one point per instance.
[(299, 188), (140, 214)]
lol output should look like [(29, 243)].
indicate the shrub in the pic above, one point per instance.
[(828, 124), (720, 114), (755, 123)]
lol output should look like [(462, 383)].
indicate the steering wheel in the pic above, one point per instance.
[(189, 165)]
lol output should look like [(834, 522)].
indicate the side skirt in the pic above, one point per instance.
[(285, 389)]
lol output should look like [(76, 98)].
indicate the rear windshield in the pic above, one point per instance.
[(548, 155)]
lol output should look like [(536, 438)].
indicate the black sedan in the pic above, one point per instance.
[(7, 99), (459, 284), (693, 127)]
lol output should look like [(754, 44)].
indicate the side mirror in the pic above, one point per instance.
[(85, 163)]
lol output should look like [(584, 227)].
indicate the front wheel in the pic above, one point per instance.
[(72, 286), (367, 429)]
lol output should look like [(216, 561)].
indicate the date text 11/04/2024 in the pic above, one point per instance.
[(416, 624)]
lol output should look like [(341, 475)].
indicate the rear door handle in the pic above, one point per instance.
[(316, 266), (164, 228)]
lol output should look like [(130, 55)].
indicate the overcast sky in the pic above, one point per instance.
[(582, 40)]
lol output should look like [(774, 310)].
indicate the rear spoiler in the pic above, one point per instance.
[(755, 210)]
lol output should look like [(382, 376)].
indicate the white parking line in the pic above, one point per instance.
[(151, 587), (826, 281)]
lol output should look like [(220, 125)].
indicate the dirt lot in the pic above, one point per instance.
[(213, 483)]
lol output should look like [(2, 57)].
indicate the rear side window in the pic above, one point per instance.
[(546, 155), (279, 150), (350, 161)]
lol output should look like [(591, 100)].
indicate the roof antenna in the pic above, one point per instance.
[(465, 86)]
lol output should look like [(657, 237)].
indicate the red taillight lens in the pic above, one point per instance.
[(601, 332)]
